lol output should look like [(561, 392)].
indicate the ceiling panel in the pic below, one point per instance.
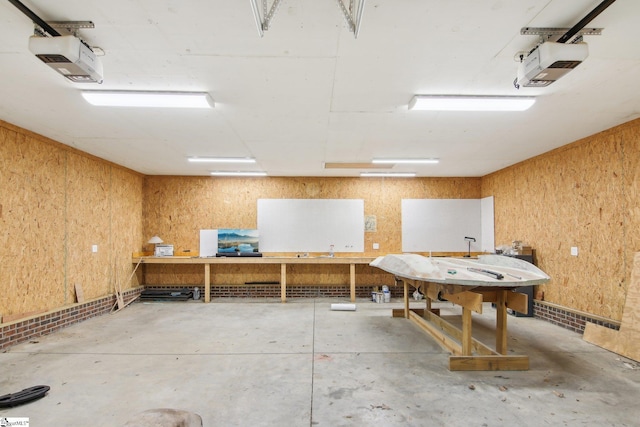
[(308, 92)]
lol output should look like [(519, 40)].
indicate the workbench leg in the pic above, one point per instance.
[(143, 279), (427, 308), (466, 331), (207, 282), (352, 281), (501, 322), (406, 299), (283, 282)]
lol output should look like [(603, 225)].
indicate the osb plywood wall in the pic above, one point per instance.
[(582, 195), (176, 208), (55, 204)]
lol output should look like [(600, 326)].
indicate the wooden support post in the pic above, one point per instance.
[(466, 331), (143, 278), (406, 299), (283, 282), (352, 281), (427, 308), (207, 283), (501, 322)]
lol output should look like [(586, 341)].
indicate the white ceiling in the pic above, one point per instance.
[(308, 92)]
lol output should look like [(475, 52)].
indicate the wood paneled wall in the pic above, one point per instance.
[(176, 208), (584, 195), (55, 204)]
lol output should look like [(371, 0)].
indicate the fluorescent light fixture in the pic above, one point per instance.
[(406, 161), (355, 165), (221, 160), (238, 173), (388, 174), (122, 98), (470, 103)]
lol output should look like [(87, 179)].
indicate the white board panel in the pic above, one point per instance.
[(208, 243), (441, 225), (311, 225), (487, 224)]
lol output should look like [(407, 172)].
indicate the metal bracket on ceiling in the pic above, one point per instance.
[(263, 18), (70, 27), (353, 15), (552, 34)]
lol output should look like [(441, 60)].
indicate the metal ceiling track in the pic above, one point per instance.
[(585, 21), (39, 22), (263, 20), (353, 15), (553, 34), (573, 34), (50, 29), (72, 27), (263, 16)]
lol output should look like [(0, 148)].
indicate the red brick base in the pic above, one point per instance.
[(567, 318), (13, 333), (294, 291)]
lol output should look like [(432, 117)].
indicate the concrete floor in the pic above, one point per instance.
[(254, 363)]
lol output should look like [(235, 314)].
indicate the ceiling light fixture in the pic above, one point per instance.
[(221, 160), (355, 165), (388, 174), (406, 161), (470, 103), (238, 173), (149, 99)]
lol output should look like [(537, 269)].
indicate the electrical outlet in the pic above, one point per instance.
[(94, 248), (574, 250), (376, 246)]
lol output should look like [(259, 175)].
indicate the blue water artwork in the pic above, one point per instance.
[(237, 240)]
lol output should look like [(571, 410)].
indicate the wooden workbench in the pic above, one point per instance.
[(282, 261)]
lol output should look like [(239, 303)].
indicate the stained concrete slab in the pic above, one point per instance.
[(240, 362)]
